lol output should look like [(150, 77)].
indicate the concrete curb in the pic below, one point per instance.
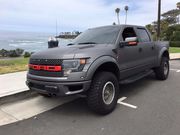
[(17, 97), (175, 59), (174, 56)]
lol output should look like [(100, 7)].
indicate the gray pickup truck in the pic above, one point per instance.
[(96, 62)]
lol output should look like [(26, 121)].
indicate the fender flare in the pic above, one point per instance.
[(164, 49), (97, 63)]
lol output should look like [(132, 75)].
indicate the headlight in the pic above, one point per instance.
[(74, 65)]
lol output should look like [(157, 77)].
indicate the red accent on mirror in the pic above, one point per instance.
[(132, 43)]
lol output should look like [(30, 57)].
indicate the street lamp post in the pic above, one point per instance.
[(126, 9), (117, 10), (159, 20)]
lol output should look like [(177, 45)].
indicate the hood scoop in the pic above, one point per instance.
[(87, 46)]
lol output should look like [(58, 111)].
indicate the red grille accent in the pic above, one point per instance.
[(45, 67)]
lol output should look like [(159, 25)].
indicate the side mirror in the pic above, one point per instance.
[(131, 41)]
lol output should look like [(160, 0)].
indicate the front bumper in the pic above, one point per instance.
[(58, 88)]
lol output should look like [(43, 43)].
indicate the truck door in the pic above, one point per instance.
[(147, 48), (129, 57)]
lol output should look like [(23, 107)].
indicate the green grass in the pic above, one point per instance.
[(174, 49), (13, 65)]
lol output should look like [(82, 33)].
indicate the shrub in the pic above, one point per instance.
[(175, 44), (176, 36), (13, 53), (3, 53), (27, 54), (19, 51), (171, 32)]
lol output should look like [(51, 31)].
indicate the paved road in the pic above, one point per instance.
[(157, 113)]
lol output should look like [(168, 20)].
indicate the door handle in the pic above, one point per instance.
[(140, 49)]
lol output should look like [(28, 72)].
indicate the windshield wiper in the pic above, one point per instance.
[(87, 43)]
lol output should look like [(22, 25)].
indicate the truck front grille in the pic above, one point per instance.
[(49, 62), (46, 61)]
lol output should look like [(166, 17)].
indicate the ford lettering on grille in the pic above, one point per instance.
[(45, 67)]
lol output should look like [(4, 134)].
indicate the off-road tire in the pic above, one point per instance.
[(160, 72), (95, 94)]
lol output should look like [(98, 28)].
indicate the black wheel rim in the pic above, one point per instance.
[(166, 68)]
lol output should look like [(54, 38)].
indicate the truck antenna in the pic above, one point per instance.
[(56, 28)]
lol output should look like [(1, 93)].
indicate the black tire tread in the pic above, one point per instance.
[(159, 71), (93, 95)]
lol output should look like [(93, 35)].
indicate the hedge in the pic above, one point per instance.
[(176, 36), (27, 54), (11, 53), (175, 44)]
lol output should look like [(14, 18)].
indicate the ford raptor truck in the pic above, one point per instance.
[(96, 62)]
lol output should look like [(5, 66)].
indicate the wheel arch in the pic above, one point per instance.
[(163, 53), (105, 63)]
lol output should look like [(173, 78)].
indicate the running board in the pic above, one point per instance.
[(136, 77)]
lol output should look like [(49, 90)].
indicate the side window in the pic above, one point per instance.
[(143, 35), (128, 32)]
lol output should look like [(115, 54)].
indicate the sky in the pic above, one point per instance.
[(72, 15)]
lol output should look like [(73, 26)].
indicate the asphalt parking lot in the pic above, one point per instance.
[(147, 107)]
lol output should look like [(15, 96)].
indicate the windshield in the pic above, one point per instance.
[(103, 35)]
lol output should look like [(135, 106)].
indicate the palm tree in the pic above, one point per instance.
[(178, 5), (126, 9), (117, 10)]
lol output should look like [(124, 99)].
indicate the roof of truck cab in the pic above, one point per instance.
[(117, 26)]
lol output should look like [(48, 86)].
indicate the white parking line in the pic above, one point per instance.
[(121, 99), (174, 69), (177, 70), (126, 104)]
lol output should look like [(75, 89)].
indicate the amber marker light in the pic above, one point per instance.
[(82, 61)]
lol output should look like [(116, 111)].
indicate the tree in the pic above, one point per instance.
[(117, 10), (19, 51), (150, 27), (77, 32), (153, 30), (178, 5), (169, 28), (164, 27), (171, 16), (3, 53), (126, 8), (27, 54), (172, 33)]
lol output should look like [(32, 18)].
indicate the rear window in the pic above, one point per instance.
[(143, 35)]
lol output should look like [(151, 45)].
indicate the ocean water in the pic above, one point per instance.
[(32, 42)]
